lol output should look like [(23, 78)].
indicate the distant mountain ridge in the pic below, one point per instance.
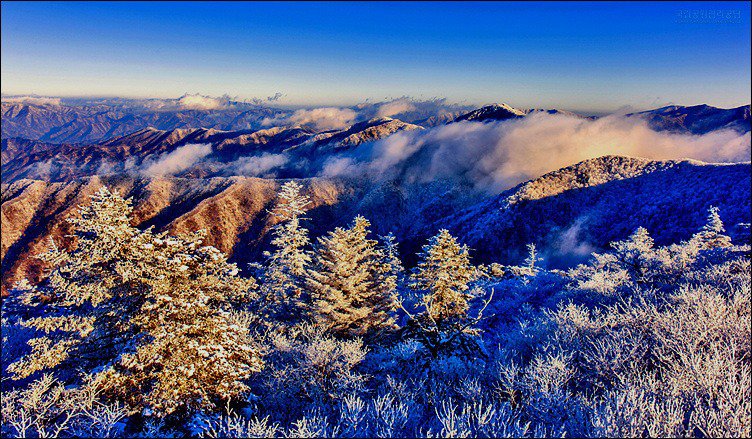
[(90, 124), (698, 119), (58, 162), (101, 122)]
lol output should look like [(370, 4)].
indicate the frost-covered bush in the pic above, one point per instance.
[(46, 408), (667, 365), (309, 366), (232, 425)]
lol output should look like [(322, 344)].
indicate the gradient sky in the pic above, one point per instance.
[(586, 57)]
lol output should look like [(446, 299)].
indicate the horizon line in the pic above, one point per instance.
[(298, 105)]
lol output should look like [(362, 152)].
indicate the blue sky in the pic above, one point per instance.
[(578, 56)]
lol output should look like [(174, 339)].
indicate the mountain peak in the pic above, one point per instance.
[(492, 112)]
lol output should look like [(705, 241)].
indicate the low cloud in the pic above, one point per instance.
[(497, 156), (41, 170), (190, 156), (176, 161), (31, 100), (569, 242), (199, 102), (410, 109), (129, 166), (339, 166), (395, 107), (257, 166), (186, 102), (327, 118)]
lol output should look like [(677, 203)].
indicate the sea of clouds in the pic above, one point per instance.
[(498, 155), (492, 156)]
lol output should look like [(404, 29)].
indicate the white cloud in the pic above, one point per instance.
[(394, 107), (337, 166), (410, 109), (41, 170), (185, 102), (199, 102), (496, 156), (175, 161), (257, 166), (327, 118)]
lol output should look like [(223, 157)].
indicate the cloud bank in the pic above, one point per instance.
[(410, 109), (199, 102), (326, 118), (175, 161), (497, 156), (397, 106), (488, 157), (257, 166)]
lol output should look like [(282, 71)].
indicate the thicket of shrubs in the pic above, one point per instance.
[(137, 333)]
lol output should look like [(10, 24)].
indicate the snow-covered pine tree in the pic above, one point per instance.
[(712, 234), (636, 254), (149, 315), (91, 291), (351, 282), (443, 277), (283, 277), (390, 248), (444, 272), (532, 259)]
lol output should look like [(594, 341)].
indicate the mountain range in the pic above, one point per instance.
[(104, 120), (219, 177)]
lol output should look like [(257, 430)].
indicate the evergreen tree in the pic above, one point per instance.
[(532, 259), (444, 272), (443, 277), (712, 234), (351, 283), (283, 278), (637, 255), (389, 247), (148, 314)]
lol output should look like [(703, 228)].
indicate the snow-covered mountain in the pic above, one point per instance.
[(184, 178), (492, 112), (575, 210), (698, 119), (100, 120), (92, 123)]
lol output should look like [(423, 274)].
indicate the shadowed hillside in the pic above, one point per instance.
[(573, 211)]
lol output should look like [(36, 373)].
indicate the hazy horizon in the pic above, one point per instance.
[(274, 103)]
